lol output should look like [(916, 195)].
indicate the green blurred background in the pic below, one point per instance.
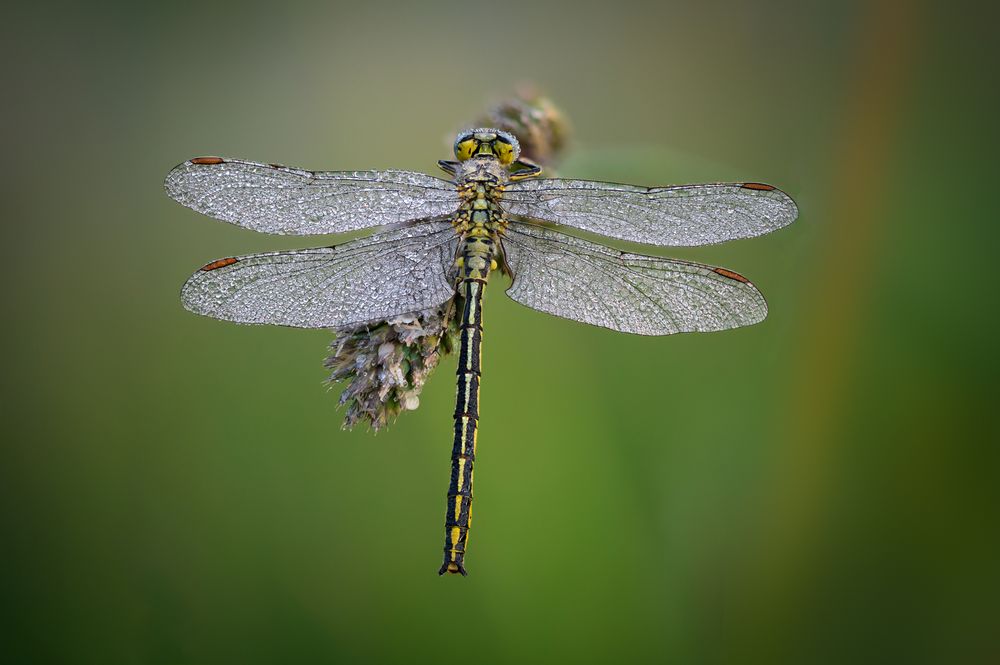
[(820, 488)]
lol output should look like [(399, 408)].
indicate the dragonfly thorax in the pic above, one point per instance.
[(480, 182)]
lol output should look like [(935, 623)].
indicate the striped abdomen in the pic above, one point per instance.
[(477, 259)]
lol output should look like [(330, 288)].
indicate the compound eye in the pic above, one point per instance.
[(504, 150), (465, 147)]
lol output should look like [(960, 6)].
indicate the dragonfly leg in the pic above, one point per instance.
[(524, 168)]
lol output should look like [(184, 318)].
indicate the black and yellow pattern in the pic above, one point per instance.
[(480, 221), (475, 263), (463, 453)]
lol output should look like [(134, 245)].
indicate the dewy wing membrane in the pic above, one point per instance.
[(365, 280), (646, 295), (680, 216), (277, 199)]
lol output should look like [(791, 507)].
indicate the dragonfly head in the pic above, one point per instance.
[(495, 142)]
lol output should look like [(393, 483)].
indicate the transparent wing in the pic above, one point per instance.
[(365, 280), (645, 295), (681, 216), (287, 201)]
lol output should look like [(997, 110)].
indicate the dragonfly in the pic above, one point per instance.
[(439, 240)]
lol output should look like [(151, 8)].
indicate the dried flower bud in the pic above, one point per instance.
[(387, 363), (540, 127)]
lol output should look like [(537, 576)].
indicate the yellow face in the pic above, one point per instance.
[(493, 142)]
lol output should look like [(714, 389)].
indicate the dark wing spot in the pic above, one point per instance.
[(221, 263), (731, 275), (760, 187), (207, 160)]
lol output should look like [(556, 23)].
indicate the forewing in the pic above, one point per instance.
[(370, 279), (633, 293), (288, 201), (680, 216)]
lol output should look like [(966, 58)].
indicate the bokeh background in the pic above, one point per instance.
[(820, 488)]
